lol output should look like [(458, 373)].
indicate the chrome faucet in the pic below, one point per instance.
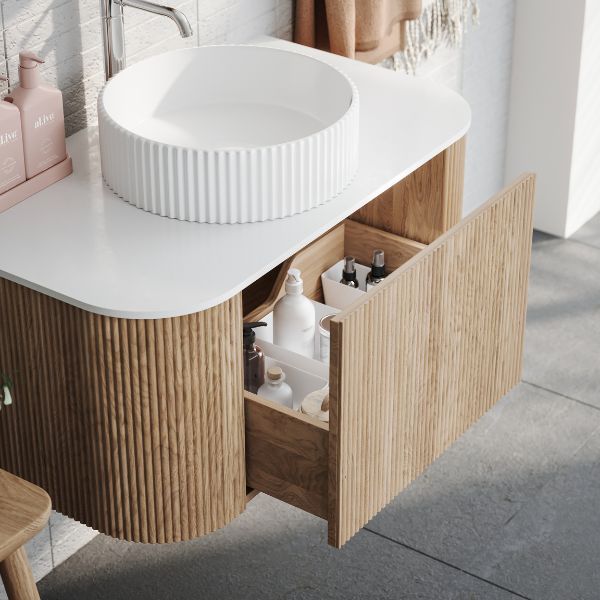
[(113, 29)]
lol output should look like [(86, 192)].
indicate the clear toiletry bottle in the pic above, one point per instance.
[(349, 273), (275, 388), (294, 318), (254, 359), (377, 273)]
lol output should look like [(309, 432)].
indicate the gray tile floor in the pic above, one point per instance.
[(511, 510)]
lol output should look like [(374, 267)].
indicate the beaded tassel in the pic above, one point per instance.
[(442, 22)]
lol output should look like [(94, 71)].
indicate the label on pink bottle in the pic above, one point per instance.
[(12, 166)]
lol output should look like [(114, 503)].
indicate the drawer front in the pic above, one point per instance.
[(418, 361)]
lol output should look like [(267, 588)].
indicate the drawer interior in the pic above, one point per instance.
[(348, 238), (287, 452)]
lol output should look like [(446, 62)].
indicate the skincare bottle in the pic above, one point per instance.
[(254, 359), (349, 273), (294, 318), (377, 274), (12, 165), (275, 388), (42, 119)]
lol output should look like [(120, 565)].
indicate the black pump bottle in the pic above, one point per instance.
[(254, 359)]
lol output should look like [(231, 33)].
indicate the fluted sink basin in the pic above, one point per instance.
[(228, 134)]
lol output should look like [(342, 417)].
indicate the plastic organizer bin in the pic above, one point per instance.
[(337, 294), (321, 310)]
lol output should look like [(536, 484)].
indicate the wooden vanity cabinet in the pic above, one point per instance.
[(141, 429), (134, 427)]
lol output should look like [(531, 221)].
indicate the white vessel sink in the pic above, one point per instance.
[(228, 134)]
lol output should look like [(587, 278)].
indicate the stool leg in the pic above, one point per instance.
[(17, 577)]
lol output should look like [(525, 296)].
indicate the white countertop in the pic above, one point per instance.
[(78, 242)]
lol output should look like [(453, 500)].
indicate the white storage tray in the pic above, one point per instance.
[(321, 310), (339, 295), (302, 374)]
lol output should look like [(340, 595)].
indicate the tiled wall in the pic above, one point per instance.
[(67, 34)]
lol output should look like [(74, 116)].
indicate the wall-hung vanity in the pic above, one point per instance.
[(122, 332)]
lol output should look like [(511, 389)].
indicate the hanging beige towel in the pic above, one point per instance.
[(367, 29)]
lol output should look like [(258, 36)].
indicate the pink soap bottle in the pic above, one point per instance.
[(12, 165), (42, 118)]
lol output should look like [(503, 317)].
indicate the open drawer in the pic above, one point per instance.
[(414, 362)]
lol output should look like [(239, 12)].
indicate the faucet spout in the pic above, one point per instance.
[(113, 29), (185, 29)]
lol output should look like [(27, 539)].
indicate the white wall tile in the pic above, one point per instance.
[(16, 11), (222, 25), (67, 34), (66, 64), (157, 29), (40, 30)]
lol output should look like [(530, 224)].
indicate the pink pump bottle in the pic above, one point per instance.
[(42, 117), (12, 165)]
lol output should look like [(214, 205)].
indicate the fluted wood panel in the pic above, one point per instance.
[(426, 203), (134, 427), (416, 363)]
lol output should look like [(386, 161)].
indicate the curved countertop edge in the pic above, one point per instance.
[(107, 257)]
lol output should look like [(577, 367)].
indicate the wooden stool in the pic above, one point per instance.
[(24, 511)]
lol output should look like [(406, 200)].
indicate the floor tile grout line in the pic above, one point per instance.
[(52, 562), (447, 564), (551, 391)]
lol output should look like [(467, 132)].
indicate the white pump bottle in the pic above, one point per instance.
[(294, 318)]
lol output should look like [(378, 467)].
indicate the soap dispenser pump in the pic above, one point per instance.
[(42, 117), (12, 165)]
